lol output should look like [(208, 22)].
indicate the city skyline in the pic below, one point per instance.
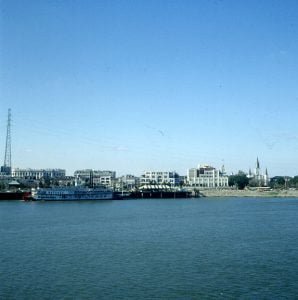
[(134, 86)]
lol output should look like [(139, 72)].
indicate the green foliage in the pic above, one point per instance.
[(240, 180), (256, 183), (293, 182), (277, 182), (240, 172), (253, 182)]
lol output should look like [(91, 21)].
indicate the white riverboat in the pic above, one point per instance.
[(71, 193)]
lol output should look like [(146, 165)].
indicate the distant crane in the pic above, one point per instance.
[(6, 168)]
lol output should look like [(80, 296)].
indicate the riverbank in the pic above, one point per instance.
[(248, 193)]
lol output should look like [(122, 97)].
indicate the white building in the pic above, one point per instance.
[(260, 179), (160, 177), (128, 181), (207, 177), (106, 178), (38, 173)]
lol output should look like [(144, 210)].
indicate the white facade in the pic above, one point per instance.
[(160, 177), (105, 178), (128, 181), (38, 173), (207, 177), (259, 178)]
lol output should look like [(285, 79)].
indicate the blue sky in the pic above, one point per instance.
[(142, 85)]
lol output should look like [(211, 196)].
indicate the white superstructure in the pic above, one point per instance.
[(72, 193)]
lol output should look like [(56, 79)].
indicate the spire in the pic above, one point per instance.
[(257, 170), (258, 164)]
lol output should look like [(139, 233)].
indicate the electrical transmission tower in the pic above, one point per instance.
[(7, 158)]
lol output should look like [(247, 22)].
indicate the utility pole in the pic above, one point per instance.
[(7, 158)]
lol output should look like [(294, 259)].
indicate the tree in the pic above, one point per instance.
[(240, 180), (293, 182), (277, 182), (254, 182)]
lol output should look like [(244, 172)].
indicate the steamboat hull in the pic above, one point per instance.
[(71, 195)]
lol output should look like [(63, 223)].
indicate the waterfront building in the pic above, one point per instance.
[(127, 182), (258, 178), (160, 177), (106, 178), (4, 176), (182, 180), (207, 176), (38, 173), (67, 181)]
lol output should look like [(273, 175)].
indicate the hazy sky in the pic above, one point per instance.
[(141, 85)]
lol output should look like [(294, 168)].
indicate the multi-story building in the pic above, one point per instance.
[(67, 181), (38, 173), (128, 182), (160, 177), (207, 177), (106, 178)]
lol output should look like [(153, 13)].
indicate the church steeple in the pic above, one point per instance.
[(261, 178), (257, 173)]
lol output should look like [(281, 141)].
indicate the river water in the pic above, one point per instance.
[(215, 248)]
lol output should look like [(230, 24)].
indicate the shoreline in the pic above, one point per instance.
[(249, 193)]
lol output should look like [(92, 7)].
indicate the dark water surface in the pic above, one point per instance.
[(150, 249)]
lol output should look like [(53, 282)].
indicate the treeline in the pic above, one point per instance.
[(241, 181), (284, 182)]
